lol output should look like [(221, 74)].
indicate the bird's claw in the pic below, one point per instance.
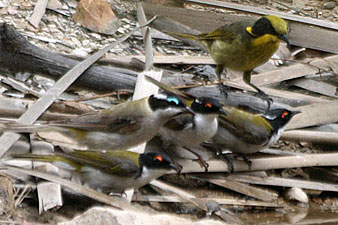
[(262, 95), (202, 163)]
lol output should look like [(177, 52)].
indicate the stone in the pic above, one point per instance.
[(111, 216), (297, 194), (329, 5), (96, 15)]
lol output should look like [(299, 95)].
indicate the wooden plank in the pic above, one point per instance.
[(293, 71), (264, 163), (221, 201), (165, 59), (260, 11), (311, 136), (303, 35), (274, 92), (284, 182), (255, 192), (319, 87), (49, 193), (42, 104), (39, 11), (315, 114), (143, 88)]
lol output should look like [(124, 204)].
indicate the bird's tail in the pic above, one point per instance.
[(35, 157), (187, 36), (21, 128)]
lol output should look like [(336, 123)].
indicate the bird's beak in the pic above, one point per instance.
[(295, 112), (177, 168), (188, 109), (284, 37), (222, 112)]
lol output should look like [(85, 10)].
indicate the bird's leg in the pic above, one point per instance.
[(260, 93), (199, 159), (219, 71)]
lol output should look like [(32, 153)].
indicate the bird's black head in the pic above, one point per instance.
[(206, 105), (271, 25), (155, 160), (278, 118), (165, 101)]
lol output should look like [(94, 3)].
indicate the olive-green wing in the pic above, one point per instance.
[(119, 163), (246, 126)]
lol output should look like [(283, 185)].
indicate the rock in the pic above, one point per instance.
[(111, 216), (97, 16), (54, 4), (329, 5), (297, 194)]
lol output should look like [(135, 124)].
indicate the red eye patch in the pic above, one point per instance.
[(208, 105), (285, 114), (158, 158)]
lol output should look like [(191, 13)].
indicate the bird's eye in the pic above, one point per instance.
[(208, 104), (173, 99), (285, 114), (158, 158)]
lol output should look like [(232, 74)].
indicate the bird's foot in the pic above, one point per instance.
[(202, 162), (262, 95), (230, 161)]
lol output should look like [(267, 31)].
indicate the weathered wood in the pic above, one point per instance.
[(260, 11), (39, 11), (221, 201), (42, 104), (284, 182), (303, 35), (255, 192), (17, 54), (294, 71), (265, 163), (316, 86), (49, 193), (315, 114), (311, 136)]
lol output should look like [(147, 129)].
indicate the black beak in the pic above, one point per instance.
[(295, 112), (222, 112), (177, 168), (189, 110), (284, 37)]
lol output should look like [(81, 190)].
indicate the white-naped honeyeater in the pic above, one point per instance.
[(120, 127), (243, 45), (245, 133), (109, 171), (190, 130)]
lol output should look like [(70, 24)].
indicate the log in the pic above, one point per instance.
[(18, 55)]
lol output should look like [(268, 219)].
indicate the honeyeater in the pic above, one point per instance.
[(245, 133), (120, 127), (109, 171), (243, 45)]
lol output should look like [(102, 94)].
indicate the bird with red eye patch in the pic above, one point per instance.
[(244, 133), (109, 171), (190, 130)]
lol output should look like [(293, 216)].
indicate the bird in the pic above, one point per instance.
[(190, 130), (118, 128), (108, 171), (243, 45), (245, 133)]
